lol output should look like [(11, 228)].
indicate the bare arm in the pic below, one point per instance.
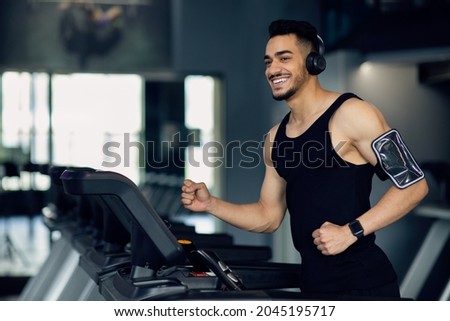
[(393, 205), (265, 215)]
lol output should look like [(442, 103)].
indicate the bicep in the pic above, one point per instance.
[(272, 200), (272, 196)]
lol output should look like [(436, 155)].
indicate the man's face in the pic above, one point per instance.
[(285, 66)]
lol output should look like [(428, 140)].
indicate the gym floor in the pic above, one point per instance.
[(24, 246)]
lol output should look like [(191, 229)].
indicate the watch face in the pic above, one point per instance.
[(356, 228)]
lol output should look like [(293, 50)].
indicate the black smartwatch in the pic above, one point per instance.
[(356, 228)]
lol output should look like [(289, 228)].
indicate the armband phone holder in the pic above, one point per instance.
[(395, 161)]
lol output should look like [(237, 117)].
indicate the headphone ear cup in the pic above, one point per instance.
[(315, 63)]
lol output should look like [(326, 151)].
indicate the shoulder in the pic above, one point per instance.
[(356, 118), (272, 133), (362, 109), (270, 136), (269, 140)]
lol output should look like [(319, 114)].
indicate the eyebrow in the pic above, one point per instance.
[(279, 53)]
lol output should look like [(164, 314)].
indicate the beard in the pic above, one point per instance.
[(284, 96), (299, 81)]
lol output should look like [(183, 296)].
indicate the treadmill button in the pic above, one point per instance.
[(233, 277), (222, 265)]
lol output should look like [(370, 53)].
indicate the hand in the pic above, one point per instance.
[(332, 239), (195, 196)]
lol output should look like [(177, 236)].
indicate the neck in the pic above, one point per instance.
[(308, 101)]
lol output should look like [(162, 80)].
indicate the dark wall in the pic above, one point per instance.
[(164, 123), (31, 38), (355, 24)]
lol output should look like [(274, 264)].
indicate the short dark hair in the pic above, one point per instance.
[(304, 31)]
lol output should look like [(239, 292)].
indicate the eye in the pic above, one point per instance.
[(267, 62)]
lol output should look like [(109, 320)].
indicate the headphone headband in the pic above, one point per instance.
[(321, 45)]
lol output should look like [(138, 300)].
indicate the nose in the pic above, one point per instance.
[(273, 69)]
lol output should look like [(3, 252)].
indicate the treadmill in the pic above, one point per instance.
[(60, 277), (163, 267)]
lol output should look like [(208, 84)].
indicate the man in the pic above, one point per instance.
[(320, 161)]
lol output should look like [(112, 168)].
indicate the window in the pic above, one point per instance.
[(87, 111), (90, 110)]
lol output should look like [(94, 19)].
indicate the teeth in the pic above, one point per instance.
[(278, 81)]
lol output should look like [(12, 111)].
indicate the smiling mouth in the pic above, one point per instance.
[(278, 81)]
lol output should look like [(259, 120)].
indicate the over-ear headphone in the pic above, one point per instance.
[(315, 61)]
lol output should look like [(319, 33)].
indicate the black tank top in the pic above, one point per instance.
[(321, 186)]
